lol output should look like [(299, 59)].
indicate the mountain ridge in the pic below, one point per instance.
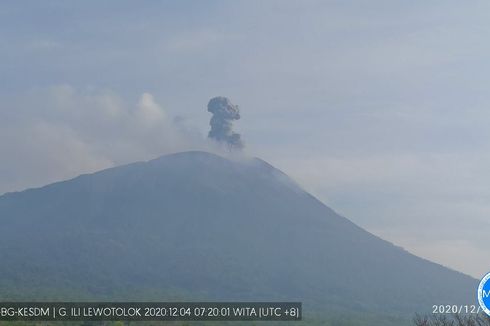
[(254, 233)]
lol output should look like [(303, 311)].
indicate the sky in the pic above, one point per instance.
[(378, 108)]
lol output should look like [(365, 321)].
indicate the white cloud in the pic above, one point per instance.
[(37, 152), (59, 132), (149, 112)]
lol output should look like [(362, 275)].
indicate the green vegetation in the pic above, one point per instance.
[(198, 227)]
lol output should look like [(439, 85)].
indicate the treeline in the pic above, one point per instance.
[(452, 320)]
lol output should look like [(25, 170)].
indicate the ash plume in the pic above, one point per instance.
[(224, 112)]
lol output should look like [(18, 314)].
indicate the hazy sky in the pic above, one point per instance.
[(379, 108)]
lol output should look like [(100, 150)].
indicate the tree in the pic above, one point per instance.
[(452, 320)]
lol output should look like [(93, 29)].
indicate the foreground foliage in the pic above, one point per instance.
[(452, 320)]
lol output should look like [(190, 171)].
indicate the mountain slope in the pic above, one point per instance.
[(198, 225)]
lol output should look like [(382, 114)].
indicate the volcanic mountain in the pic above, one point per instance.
[(198, 226)]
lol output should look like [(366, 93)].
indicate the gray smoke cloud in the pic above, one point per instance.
[(224, 112)]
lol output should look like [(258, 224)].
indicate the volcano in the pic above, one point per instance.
[(198, 226)]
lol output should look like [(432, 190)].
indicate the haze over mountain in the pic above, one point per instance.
[(197, 225)]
